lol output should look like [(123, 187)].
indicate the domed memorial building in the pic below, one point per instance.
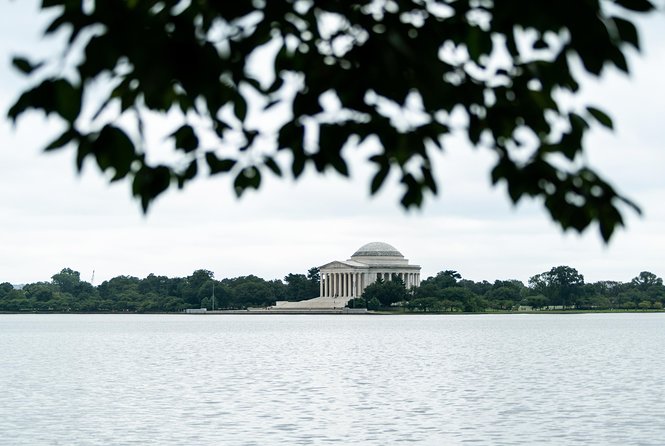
[(370, 262), (342, 280)]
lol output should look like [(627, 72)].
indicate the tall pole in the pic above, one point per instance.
[(213, 296)]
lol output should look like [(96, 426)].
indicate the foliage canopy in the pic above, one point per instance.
[(337, 74), (560, 288)]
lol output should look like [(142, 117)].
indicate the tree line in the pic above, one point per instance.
[(66, 292), (560, 288)]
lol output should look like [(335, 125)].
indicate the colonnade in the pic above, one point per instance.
[(352, 284), (343, 284), (409, 279)]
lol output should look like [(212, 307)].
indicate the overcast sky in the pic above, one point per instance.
[(51, 218)]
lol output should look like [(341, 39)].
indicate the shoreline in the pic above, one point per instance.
[(335, 312)]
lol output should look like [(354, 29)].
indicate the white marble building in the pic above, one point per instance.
[(342, 280), (373, 260)]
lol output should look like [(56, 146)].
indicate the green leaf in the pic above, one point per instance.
[(428, 179), (114, 149), (68, 100), (51, 96), (217, 165), (247, 178), (149, 182), (65, 138), (84, 149), (188, 174), (601, 117), (619, 59), (240, 107), (298, 165), (379, 178), (627, 32), (636, 5), (332, 139), (24, 65), (272, 165), (186, 139)]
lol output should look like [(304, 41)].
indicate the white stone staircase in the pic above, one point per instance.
[(313, 304)]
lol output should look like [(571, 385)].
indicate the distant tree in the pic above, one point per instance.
[(5, 288), (299, 286), (646, 280), (249, 291), (607, 288), (196, 287), (40, 291), (469, 300), (479, 288), (426, 305), (561, 285), (278, 289), (337, 74), (121, 293), (536, 301), (357, 302), (314, 276), (158, 285), (385, 292), (16, 300), (644, 305), (629, 305), (427, 289), (445, 279), (505, 293), (374, 304), (67, 280)]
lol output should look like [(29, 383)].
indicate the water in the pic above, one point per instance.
[(594, 379)]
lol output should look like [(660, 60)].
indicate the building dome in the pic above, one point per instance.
[(377, 249)]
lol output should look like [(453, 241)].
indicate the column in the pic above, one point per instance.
[(320, 284), (344, 284), (333, 284)]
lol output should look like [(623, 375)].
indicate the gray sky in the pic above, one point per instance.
[(51, 218)]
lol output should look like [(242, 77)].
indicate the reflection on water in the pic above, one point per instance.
[(369, 380)]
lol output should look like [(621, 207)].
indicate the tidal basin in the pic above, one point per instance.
[(591, 379)]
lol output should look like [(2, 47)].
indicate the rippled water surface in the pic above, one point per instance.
[(592, 379)]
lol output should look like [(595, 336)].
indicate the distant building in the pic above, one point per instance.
[(343, 280), (376, 260)]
